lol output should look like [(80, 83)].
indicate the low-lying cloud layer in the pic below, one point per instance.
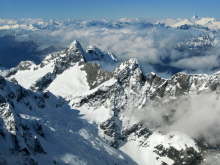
[(196, 116), (158, 47)]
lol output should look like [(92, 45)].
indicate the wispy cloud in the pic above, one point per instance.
[(196, 116)]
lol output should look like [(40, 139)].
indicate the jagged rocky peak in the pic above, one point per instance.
[(76, 46), (129, 68), (129, 65), (20, 138), (33, 130), (92, 53), (181, 79), (75, 51), (72, 55)]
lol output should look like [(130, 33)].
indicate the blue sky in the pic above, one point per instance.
[(108, 8)]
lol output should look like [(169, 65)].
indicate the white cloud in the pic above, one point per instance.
[(149, 43), (196, 116), (198, 63)]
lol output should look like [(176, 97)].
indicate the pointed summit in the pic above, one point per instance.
[(76, 46), (131, 64), (128, 69)]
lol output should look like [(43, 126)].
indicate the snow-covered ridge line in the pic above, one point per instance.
[(209, 22), (109, 102), (130, 89), (40, 128)]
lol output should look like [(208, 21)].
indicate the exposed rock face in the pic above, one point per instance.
[(125, 90), (44, 82), (63, 60), (131, 86), (188, 156), (95, 75), (33, 131), (72, 55), (20, 139)]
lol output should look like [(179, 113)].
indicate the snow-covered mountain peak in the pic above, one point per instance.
[(75, 46), (70, 68), (111, 100), (129, 64), (128, 68)]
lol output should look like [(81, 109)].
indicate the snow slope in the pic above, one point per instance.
[(100, 120), (39, 128), (71, 83), (32, 74), (143, 151)]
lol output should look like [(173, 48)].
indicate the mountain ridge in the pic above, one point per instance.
[(112, 101)]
